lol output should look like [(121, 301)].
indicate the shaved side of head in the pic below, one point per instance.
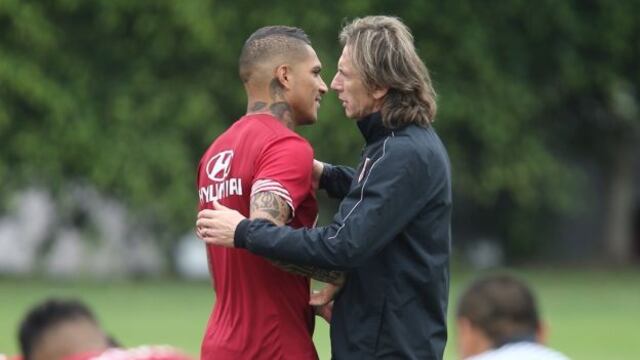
[(268, 48)]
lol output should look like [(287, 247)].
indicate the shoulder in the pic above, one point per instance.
[(269, 133), (523, 351), (421, 145), (155, 352), (291, 142), (408, 145)]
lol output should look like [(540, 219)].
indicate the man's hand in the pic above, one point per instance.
[(318, 168), (325, 295), (217, 227), (324, 311)]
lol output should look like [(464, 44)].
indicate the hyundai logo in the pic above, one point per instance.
[(219, 165)]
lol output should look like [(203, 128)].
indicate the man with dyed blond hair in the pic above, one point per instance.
[(392, 231)]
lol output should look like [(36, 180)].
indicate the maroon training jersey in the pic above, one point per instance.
[(261, 312)]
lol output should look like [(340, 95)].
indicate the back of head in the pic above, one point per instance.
[(268, 46), (502, 307), (59, 326), (383, 53)]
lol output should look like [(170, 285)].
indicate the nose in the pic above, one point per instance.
[(323, 87), (336, 83)]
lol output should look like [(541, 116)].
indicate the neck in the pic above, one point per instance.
[(275, 105), (279, 109)]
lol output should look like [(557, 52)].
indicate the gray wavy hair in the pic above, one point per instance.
[(383, 53)]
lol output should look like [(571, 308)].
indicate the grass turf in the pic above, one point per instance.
[(591, 314)]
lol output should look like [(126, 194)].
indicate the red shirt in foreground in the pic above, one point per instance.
[(261, 312)]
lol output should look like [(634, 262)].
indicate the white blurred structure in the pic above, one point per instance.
[(85, 234), (485, 253), (24, 230), (191, 258)]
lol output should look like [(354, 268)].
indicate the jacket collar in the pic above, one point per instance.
[(372, 128)]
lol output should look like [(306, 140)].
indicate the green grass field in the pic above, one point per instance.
[(591, 314)]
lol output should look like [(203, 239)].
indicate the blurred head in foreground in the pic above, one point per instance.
[(59, 329), (499, 314)]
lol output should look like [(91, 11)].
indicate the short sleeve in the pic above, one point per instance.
[(285, 168)]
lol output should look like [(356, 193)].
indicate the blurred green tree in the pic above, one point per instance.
[(126, 95)]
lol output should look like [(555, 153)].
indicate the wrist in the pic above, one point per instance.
[(241, 233), (324, 176)]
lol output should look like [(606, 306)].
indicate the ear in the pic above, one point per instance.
[(465, 337), (471, 340), (541, 333), (283, 74), (379, 93)]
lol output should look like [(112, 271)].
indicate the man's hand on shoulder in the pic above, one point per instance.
[(318, 168)]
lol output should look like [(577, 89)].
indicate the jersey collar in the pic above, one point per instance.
[(372, 128)]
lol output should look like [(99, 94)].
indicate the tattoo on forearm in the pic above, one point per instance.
[(328, 276), (272, 205)]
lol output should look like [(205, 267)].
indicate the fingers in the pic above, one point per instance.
[(206, 214), (210, 213), (318, 166), (324, 311), (316, 298), (323, 296), (203, 227), (218, 206)]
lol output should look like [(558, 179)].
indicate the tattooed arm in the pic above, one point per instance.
[(267, 205)]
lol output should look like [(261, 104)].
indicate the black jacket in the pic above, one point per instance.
[(391, 234)]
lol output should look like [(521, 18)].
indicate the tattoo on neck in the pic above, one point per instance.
[(279, 108), (257, 106), (275, 90), (282, 111)]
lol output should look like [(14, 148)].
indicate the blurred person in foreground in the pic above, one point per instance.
[(262, 168), (6, 357), (392, 231), (59, 329), (497, 319)]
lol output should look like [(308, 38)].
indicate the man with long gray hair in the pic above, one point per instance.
[(392, 231)]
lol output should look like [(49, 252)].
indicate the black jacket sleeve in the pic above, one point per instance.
[(371, 215), (336, 180)]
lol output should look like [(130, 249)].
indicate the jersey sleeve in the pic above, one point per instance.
[(285, 168)]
